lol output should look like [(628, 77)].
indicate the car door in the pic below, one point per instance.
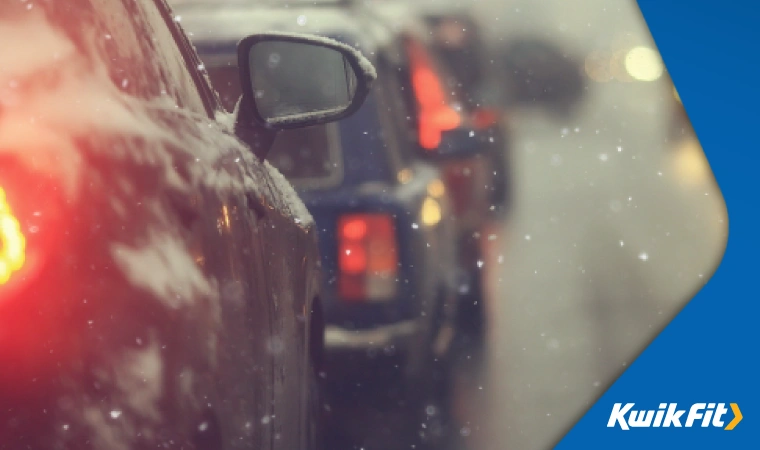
[(219, 372), (289, 256), (277, 239)]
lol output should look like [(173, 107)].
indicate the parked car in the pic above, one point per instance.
[(434, 99), (159, 283), (457, 40), (387, 230), (452, 34)]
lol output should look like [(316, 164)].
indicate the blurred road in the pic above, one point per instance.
[(615, 228), (609, 241)]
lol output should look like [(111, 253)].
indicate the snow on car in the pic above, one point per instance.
[(155, 273)]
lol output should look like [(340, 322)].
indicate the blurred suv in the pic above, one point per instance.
[(457, 40), (464, 138)]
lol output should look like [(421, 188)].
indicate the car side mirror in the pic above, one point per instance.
[(291, 81)]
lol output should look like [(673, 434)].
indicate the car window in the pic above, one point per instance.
[(142, 54), (310, 158), (398, 123), (176, 68), (457, 41), (403, 83), (193, 62)]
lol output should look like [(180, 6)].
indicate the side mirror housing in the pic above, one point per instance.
[(291, 81)]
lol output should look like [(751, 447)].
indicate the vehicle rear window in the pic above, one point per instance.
[(457, 42), (310, 158)]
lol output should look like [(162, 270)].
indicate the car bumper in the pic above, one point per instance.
[(387, 352), (382, 338)]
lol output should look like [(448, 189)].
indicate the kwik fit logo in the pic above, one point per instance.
[(669, 415)]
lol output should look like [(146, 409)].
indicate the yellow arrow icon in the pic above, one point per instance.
[(737, 417)]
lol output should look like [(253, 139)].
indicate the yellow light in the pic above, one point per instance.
[(404, 176), (226, 216), (431, 211), (436, 188), (644, 64), (12, 252)]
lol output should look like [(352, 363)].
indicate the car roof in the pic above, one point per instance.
[(214, 23)]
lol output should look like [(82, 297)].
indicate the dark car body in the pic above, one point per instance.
[(362, 167), (480, 184), (162, 282)]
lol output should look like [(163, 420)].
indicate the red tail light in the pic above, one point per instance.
[(12, 241), (31, 206), (367, 257), (435, 114)]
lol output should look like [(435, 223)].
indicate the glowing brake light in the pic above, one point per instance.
[(12, 241), (33, 226), (354, 229), (435, 114), (367, 257)]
